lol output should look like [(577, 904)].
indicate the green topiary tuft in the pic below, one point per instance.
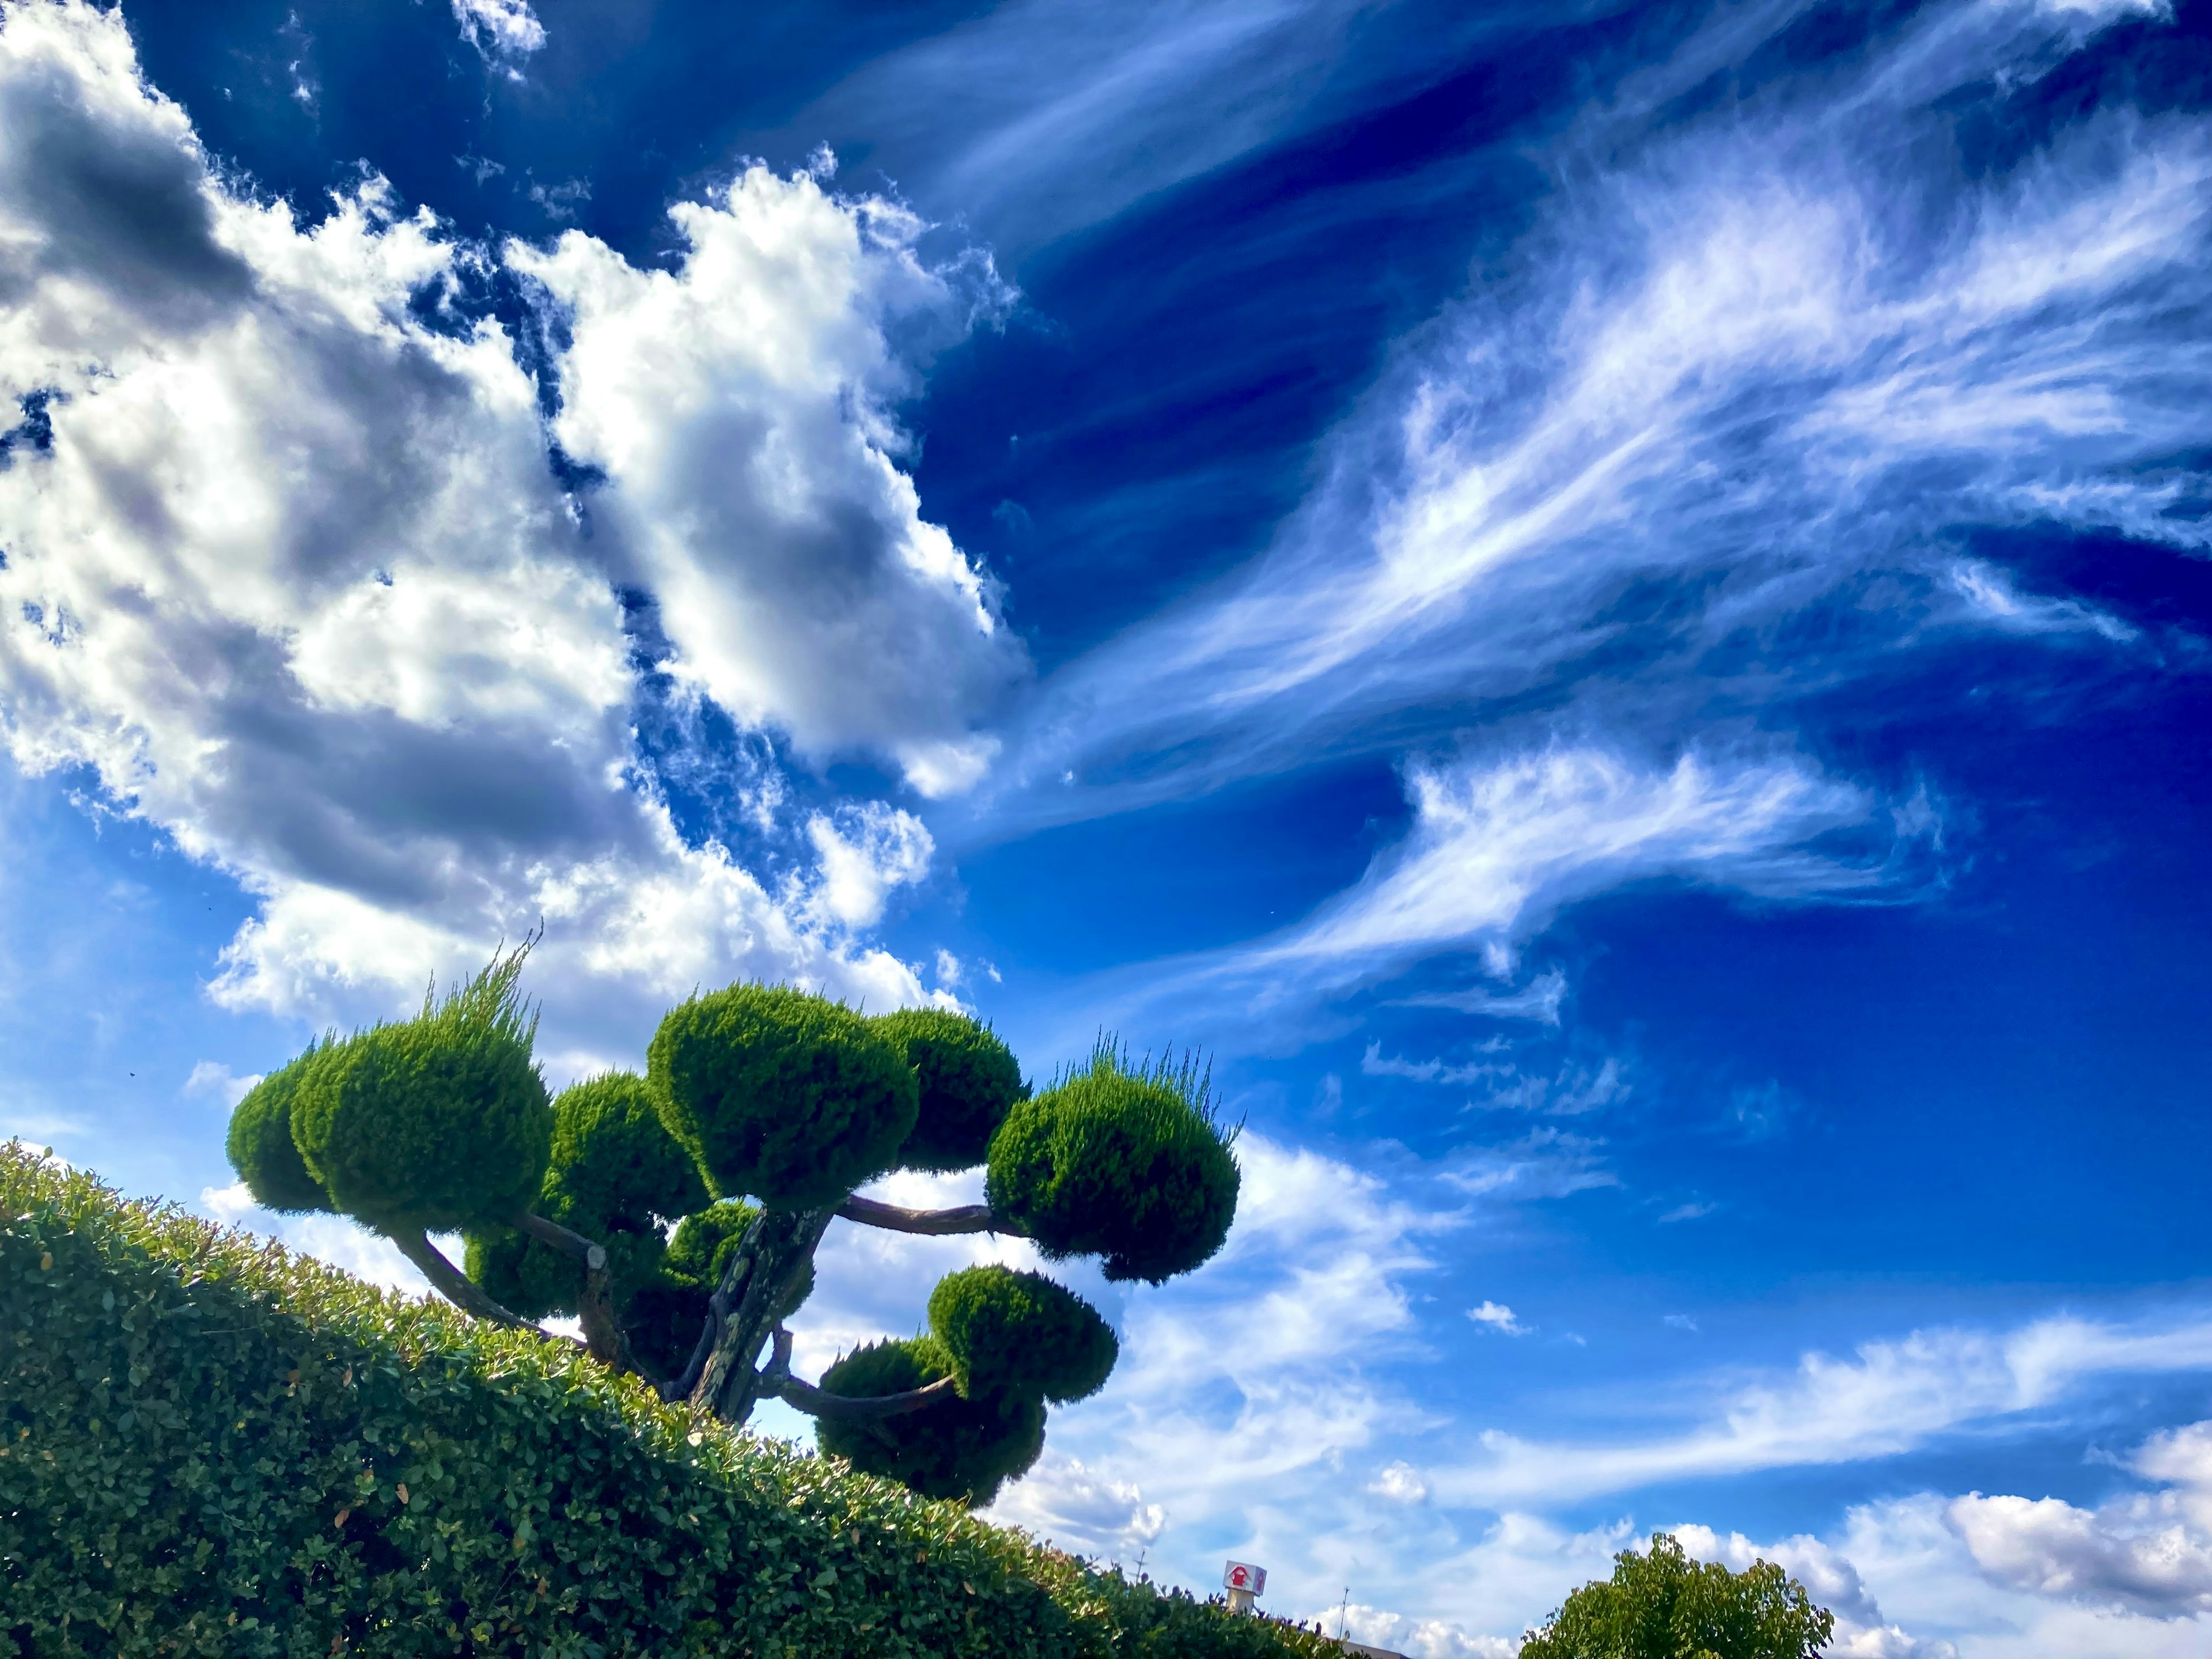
[(260, 1143), (618, 1167), (788, 1097), (703, 1240), (437, 1122), (616, 1176), (957, 1449), (1126, 1164), (1009, 1333), (968, 1080)]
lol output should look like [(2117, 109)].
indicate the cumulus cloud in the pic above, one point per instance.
[(1064, 1502), (2144, 1552), (1497, 1316), (505, 31), (1832, 1581), (289, 574)]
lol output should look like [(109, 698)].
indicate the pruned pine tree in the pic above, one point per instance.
[(677, 1215)]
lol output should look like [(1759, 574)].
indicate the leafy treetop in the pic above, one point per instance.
[(1659, 1604)]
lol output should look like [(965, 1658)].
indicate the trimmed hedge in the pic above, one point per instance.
[(208, 1447)]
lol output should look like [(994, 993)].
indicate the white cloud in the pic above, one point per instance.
[(1498, 847), (1497, 1316), (864, 853), (1739, 363), (740, 404), (1991, 598), (1539, 1000), (504, 31), (2144, 1552), (1064, 1503), (1419, 1638), (1888, 1397), (1401, 1482), (216, 1080), (295, 581), (1694, 1210), (1832, 1582)]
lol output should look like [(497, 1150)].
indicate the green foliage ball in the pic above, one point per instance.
[(968, 1080), (957, 1449), (701, 1248), (615, 1165), (791, 1098), (1660, 1604), (1119, 1163), (1012, 1333), (261, 1146), (437, 1122), (616, 1176)]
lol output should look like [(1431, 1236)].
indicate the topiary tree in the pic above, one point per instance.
[(1661, 1605), (677, 1215)]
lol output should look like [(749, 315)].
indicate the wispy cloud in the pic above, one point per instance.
[(1884, 1399), (1500, 845), (1741, 364)]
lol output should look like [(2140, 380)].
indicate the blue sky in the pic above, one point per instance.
[(1606, 604)]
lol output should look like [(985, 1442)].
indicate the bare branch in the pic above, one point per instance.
[(717, 1310), (967, 1218), (553, 1234), (449, 1282), (815, 1403), (777, 1380)]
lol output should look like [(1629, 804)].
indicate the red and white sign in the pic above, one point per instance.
[(1241, 1576)]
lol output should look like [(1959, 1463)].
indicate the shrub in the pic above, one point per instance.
[(261, 1146), (1124, 1163), (434, 1123), (615, 1175), (969, 1081), (781, 1097), (961, 1449), (208, 1448), (1018, 1332)]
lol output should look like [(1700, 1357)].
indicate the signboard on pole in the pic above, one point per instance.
[(1243, 1576)]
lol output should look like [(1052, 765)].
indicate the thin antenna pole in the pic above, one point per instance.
[(1343, 1617)]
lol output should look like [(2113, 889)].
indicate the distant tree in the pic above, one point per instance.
[(1661, 1605), (676, 1214)]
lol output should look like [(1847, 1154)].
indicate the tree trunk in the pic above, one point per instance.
[(754, 1295)]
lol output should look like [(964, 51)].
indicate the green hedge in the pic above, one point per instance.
[(210, 1447)]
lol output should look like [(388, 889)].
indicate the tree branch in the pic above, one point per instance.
[(777, 1380), (815, 1403), (449, 1282), (967, 1218), (553, 1234), (717, 1310), (756, 1284), (595, 1308)]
